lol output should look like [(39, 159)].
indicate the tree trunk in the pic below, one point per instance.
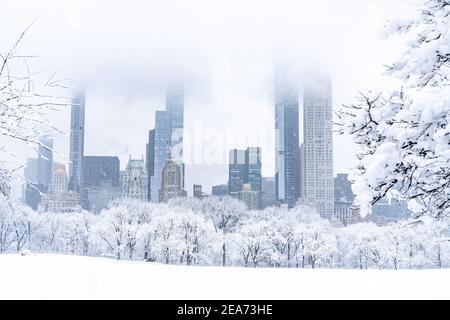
[(224, 251)]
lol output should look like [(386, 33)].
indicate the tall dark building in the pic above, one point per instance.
[(287, 184), (45, 162), (236, 172), (150, 159), (76, 142)]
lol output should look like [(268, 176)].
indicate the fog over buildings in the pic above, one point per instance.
[(124, 55)]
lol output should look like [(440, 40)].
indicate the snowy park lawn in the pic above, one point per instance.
[(53, 276)]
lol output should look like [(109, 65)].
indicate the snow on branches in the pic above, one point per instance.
[(403, 136), (26, 99), (180, 233)]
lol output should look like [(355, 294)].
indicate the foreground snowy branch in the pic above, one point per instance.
[(26, 101), (403, 136)]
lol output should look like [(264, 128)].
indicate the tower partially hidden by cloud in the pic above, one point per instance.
[(317, 147), (287, 158), (175, 105), (76, 152), (167, 139)]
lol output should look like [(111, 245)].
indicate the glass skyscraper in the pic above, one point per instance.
[(76, 142), (175, 105), (168, 139), (287, 174), (163, 134)]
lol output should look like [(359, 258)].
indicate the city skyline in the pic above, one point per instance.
[(231, 80)]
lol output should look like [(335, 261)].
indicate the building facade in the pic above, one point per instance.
[(236, 171), (163, 133), (101, 182), (268, 192), (168, 139), (135, 180), (318, 147), (245, 168), (287, 185), (220, 190), (251, 198), (150, 160), (175, 105), (171, 181), (60, 199), (76, 152), (197, 191)]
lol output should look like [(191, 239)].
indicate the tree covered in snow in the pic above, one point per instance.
[(192, 233), (403, 135), (224, 213)]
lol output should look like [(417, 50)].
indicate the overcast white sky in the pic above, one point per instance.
[(228, 49)]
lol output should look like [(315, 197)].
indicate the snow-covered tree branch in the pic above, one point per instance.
[(403, 135)]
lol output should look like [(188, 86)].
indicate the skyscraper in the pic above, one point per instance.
[(163, 133), (175, 105), (236, 171), (135, 180), (287, 184), (150, 159), (318, 147), (76, 142), (45, 162), (171, 181), (168, 138)]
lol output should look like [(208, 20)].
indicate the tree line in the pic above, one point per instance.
[(221, 232)]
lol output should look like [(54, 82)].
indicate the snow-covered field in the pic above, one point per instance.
[(52, 276)]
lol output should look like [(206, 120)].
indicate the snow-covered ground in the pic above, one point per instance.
[(52, 276)]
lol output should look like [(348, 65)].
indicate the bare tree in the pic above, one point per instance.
[(25, 103)]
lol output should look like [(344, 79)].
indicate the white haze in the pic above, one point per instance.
[(224, 50)]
